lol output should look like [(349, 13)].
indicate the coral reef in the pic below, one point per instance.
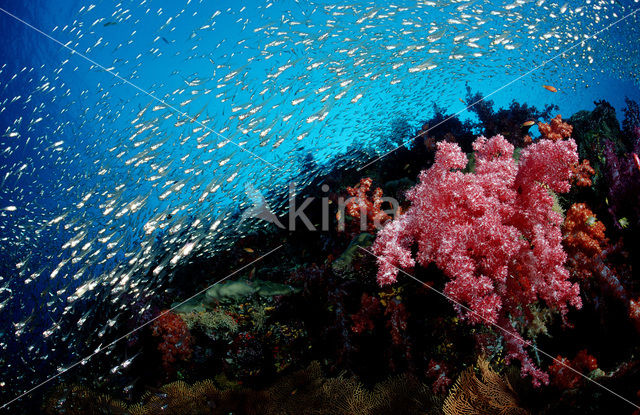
[(495, 229), (493, 232), (631, 117), (623, 178)]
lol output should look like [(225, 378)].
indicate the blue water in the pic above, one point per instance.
[(81, 161)]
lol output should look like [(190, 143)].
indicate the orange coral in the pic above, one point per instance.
[(582, 173), (556, 129), (583, 231), (584, 240), (361, 204)]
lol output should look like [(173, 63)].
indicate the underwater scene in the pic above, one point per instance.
[(319, 207)]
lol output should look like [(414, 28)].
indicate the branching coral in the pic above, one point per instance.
[(493, 232), (176, 340), (491, 394), (587, 248)]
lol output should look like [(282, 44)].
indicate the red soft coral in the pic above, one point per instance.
[(493, 232), (437, 371), (370, 309), (397, 315), (565, 378), (176, 340)]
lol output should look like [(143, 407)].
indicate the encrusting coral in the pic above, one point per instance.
[(489, 394), (494, 232)]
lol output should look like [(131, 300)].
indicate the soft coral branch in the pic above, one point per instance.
[(494, 232)]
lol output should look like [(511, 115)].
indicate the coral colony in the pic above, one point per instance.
[(494, 232)]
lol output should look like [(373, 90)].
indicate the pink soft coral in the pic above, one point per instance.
[(493, 232)]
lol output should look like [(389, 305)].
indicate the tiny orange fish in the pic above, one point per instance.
[(249, 250), (550, 88), (462, 100), (528, 123), (637, 160)]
